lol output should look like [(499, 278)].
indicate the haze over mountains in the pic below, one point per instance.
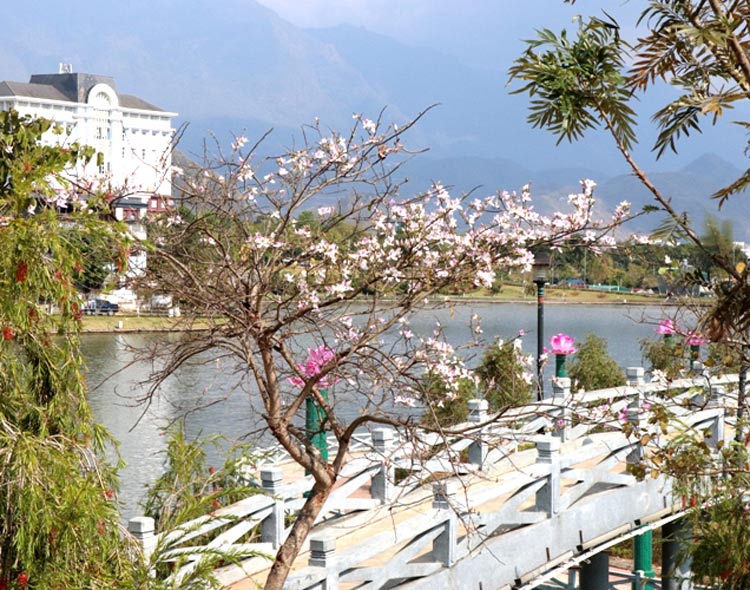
[(237, 66)]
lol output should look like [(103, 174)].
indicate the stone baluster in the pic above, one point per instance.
[(381, 485), (477, 415), (142, 529), (561, 387), (548, 497), (444, 546), (716, 398), (634, 419), (323, 554), (635, 376), (272, 526)]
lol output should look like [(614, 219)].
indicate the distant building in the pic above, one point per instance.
[(133, 136)]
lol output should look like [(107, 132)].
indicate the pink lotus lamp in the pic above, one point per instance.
[(562, 345)]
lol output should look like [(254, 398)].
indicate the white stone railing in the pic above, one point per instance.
[(517, 494)]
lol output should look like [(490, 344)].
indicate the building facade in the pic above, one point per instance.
[(133, 136)]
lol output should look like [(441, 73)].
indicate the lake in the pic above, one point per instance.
[(211, 407)]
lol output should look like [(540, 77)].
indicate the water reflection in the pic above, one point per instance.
[(215, 398)]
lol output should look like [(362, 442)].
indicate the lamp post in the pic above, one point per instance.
[(540, 268)]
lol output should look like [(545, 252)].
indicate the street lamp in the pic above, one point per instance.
[(539, 269)]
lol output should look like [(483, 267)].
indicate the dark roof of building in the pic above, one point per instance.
[(41, 91), (133, 102), (70, 87)]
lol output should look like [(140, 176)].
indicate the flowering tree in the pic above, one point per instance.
[(273, 280)]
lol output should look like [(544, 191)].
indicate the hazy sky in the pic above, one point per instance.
[(487, 32)]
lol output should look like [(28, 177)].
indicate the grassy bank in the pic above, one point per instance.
[(509, 294), (515, 293), (132, 323)]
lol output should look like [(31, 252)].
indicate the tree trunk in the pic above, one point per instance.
[(290, 549)]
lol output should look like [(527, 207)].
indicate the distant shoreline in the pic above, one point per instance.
[(140, 324)]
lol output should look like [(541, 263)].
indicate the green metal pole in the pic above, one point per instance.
[(314, 418), (643, 556), (540, 338), (560, 370)]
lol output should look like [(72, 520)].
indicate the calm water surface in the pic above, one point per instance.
[(211, 406)]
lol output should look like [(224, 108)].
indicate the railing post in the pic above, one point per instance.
[(715, 399), (635, 376), (561, 386), (548, 497), (561, 395), (444, 545), (272, 527), (381, 484), (477, 415), (634, 419), (323, 554), (142, 529)]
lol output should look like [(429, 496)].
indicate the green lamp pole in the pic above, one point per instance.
[(560, 370), (539, 269), (315, 415), (643, 556)]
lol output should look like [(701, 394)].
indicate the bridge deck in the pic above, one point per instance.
[(531, 503)]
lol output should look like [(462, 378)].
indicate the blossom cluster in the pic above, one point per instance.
[(372, 241)]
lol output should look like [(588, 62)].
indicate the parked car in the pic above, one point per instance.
[(100, 307)]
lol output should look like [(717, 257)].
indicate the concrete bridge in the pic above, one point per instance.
[(509, 501)]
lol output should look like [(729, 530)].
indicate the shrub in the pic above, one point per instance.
[(504, 375), (664, 354), (593, 367), (503, 379), (442, 410)]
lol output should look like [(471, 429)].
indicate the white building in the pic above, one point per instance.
[(133, 136)]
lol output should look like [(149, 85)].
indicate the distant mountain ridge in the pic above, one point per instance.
[(240, 68), (689, 187)]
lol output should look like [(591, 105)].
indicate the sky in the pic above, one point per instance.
[(480, 32), (204, 59)]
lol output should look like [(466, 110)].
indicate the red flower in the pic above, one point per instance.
[(216, 503), (109, 493), (211, 469), (27, 167), (8, 333), (100, 527), (22, 271), (76, 309), (23, 580)]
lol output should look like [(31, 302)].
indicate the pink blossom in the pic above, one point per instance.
[(317, 358), (562, 344), (666, 327), (695, 339)]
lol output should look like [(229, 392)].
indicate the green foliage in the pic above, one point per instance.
[(503, 380), (666, 355), (504, 377), (593, 367), (575, 84), (700, 50), (190, 488), (59, 525), (442, 409)]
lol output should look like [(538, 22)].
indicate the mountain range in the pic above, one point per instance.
[(243, 69)]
